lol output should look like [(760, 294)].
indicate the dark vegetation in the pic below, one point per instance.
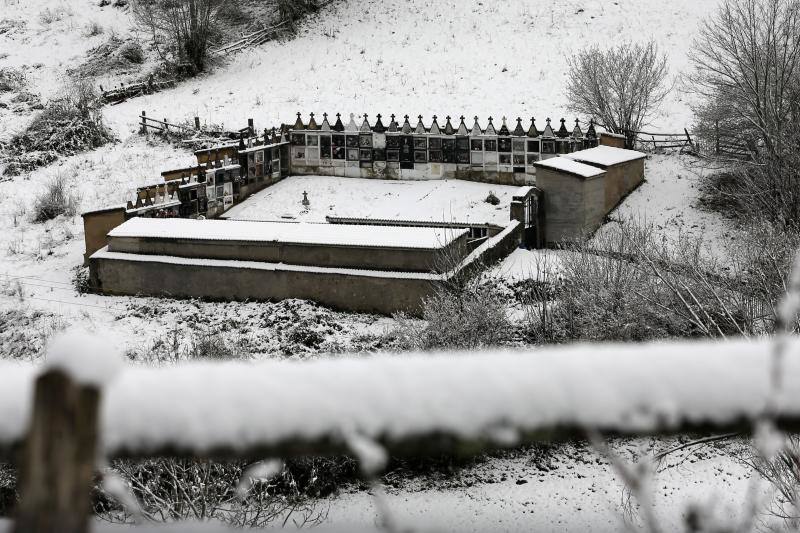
[(56, 199), (69, 123), (184, 32)]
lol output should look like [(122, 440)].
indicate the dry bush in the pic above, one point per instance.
[(93, 29), (208, 344), (294, 10), (782, 472), (628, 285), (462, 313), (620, 87), (56, 199), (70, 123), (170, 490), (471, 319), (11, 80)]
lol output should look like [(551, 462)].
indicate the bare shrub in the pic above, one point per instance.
[(93, 29), (56, 199), (626, 284), (294, 10), (170, 490), (782, 472), (11, 80), (620, 87), (209, 344), (49, 15), (132, 52), (70, 123), (182, 30), (462, 313)]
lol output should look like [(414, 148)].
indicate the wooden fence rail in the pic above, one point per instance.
[(421, 404)]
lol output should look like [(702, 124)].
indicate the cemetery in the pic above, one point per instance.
[(359, 217)]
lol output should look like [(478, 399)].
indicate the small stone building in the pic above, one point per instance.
[(581, 188), (574, 195), (624, 170)]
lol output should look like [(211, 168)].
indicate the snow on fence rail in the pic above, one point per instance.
[(66, 414), (239, 408)]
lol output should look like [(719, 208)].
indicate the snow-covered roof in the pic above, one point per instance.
[(523, 191), (571, 166), (605, 156), (288, 233)]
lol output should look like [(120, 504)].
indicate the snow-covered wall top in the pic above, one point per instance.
[(287, 233)]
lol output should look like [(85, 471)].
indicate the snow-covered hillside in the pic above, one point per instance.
[(415, 57)]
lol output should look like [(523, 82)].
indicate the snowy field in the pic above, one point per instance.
[(565, 488), (418, 57), (431, 200)]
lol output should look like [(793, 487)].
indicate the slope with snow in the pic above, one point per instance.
[(418, 57)]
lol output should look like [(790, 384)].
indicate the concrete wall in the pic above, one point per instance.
[(360, 293), (398, 259), (573, 206), (633, 175), (376, 292), (612, 139), (96, 225)]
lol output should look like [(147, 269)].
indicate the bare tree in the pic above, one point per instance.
[(746, 61), (182, 30), (620, 87), (747, 72)]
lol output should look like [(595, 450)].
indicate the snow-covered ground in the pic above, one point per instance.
[(434, 200), (45, 38), (419, 57), (568, 488), (669, 199)]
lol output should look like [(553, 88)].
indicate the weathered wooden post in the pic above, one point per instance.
[(197, 123), (143, 128), (166, 126), (58, 459)]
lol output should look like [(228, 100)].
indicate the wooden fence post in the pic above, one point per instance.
[(197, 123), (166, 126), (143, 129), (58, 459)]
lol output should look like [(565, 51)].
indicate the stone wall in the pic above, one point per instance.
[(348, 289), (96, 225), (573, 206)]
